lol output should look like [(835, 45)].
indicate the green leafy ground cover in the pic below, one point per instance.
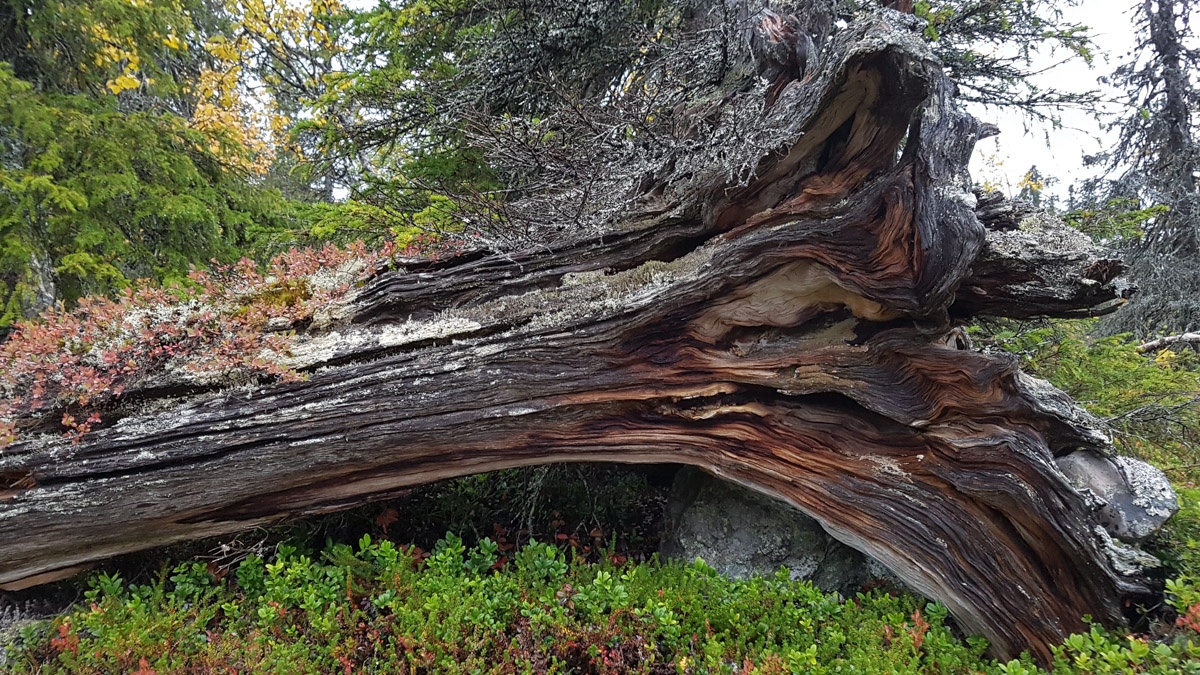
[(378, 607), (581, 607)]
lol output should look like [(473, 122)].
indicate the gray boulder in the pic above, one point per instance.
[(1134, 499), (741, 533)]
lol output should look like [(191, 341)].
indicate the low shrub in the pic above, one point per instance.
[(1150, 400), (68, 370), (379, 607)]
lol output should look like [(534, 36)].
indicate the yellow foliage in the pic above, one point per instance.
[(112, 51), (240, 123), (991, 174), (1165, 358), (223, 49), (1029, 182), (122, 83)]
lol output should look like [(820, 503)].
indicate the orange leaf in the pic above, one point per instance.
[(386, 518)]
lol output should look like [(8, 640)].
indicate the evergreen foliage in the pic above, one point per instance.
[(988, 50), (98, 197), (148, 49), (1116, 222), (1151, 401), (1158, 154), (110, 170), (454, 110)]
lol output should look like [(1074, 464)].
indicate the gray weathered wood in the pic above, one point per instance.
[(793, 334)]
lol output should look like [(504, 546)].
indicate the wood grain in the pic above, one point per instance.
[(795, 334)]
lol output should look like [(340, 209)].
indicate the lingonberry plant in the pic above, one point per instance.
[(70, 369)]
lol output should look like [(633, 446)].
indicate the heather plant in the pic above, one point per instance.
[(70, 369)]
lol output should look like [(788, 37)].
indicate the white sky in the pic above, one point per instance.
[(1003, 161)]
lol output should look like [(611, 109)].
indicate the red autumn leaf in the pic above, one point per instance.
[(387, 517)]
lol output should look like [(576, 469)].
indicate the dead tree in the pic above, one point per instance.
[(793, 331)]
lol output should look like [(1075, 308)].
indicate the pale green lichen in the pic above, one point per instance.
[(581, 296), (309, 351)]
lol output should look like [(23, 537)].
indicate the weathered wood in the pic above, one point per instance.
[(793, 334), (1168, 340), (1034, 265)]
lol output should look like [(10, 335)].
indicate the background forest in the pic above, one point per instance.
[(178, 148)]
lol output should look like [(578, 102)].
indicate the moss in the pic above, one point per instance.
[(282, 294)]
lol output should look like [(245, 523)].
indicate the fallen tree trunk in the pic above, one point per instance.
[(792, 334)]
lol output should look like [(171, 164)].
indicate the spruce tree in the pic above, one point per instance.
[(111, 168), (1158, 156)]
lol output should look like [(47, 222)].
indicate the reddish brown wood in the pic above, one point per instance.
[(794, 334)]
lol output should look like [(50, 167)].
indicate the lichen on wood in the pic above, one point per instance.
[(782, 315)]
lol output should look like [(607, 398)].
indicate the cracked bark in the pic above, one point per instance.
[(795, 335)]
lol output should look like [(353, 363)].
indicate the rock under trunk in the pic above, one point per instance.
[(794, 334)]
